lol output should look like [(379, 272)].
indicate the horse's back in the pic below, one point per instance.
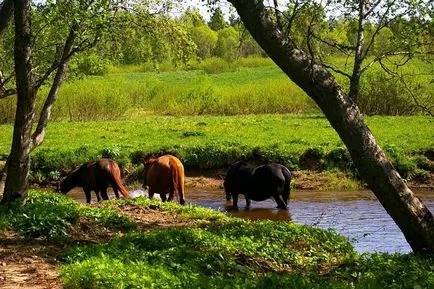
[(104, 171), (161, 172)]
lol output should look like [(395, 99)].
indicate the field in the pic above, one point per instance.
[(210, 142)]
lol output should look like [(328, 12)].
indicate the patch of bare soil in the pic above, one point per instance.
[(28, 263), (33, 263)]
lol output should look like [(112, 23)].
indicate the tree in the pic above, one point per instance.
[(217, 21), (409, 213), (205, 39), (192, 17), (72, 34), (227, 44)]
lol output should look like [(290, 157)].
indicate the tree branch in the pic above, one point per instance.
[(428, 110), (6, 12), (39, 133)]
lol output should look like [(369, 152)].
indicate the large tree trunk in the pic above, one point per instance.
[(18, 164), (409, 213)]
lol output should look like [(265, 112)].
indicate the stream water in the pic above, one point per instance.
[(357, 215)]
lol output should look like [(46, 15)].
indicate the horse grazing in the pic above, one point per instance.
[(258, 183), (95, 176), (164, 175)]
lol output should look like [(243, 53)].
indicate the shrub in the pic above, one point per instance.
[(312, 159), (90, 64), (420, 175), (45, 215)]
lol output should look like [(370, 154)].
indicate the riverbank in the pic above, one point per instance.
[(55, 242)]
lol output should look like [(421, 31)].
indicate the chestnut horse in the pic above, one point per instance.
[(164, 175), (95, 176)]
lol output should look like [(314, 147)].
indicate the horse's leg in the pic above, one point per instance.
[(150, 193), (280, 202), (171, 194), (235, 200), (104, 194), (248, 202), (115, 190), (98, 195), (87, 194), (163, 197)]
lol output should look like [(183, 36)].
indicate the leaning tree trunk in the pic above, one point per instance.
[(18, 163), (409, 213)]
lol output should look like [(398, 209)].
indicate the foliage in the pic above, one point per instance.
[(214, 251), (217, 21), (227, 44), (90, 64), (50, 215), (205, 39)]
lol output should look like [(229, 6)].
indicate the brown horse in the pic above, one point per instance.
[(95, 176), (164, 175)]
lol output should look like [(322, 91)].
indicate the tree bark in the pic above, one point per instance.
[(18, 164), (409, 213)]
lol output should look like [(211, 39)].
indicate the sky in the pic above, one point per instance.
[(225, 6)]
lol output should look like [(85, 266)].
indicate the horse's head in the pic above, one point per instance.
[(69, 182)]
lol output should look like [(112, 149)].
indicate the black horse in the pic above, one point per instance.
[(258, 183)]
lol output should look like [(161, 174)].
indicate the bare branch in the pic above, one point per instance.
[(7, 92), (427, 109), (278, 15), (373, 6), (384, 55), (340, 47), (337, 70)]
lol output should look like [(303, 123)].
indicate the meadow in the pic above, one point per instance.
[(217, 87), (212, 142)]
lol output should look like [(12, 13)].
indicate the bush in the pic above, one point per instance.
[(312, 159), (45, 215), (339, 158), (90, 64)]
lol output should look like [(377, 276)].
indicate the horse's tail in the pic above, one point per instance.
[(117, 181), (287, 187), (177, 172)]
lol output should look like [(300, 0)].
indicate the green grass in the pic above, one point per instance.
[(213, 251), (209, 142), (246, 90)]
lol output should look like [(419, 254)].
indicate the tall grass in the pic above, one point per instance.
[(217, 87), (245, 91)]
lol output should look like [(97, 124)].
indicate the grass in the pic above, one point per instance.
[(216, 87), (246, 90), (210, 142), (213, 251)]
